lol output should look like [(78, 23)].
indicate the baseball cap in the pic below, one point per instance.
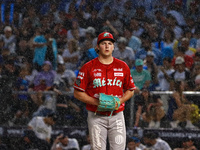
[(134, 139), (139, 62), (7, 28), (197, 80), (60, 60), (53, 116), (105, 36), (150, 53), (179, 60), (122, 40), (90, 30), (186, 139)]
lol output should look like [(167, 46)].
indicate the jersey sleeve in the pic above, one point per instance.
[(82, 79)]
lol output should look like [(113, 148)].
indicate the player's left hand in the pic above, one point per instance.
[(108, 102)]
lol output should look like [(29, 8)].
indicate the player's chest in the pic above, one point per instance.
[(107, 77)]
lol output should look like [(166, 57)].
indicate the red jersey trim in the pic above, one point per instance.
[(132, 89), (78, 88)]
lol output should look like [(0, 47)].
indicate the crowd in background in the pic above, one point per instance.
[(43, 44)]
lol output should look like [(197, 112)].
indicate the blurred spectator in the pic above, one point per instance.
[(64, 142), (197, 58), (151, 28), (64, 103), (149, 109), (197, 77), (39, 45), (88, 49), (133, 143), (123, 52), (9, 75), (31, 71), (181, 73), (71, 54), (90, 34), (42, 126), (9, 39), (151, 141), (164, 74), (187, 33), (168, 38), (2, 145), (60, 34), (116, 22), (185, 44), (175, 11), (187, 143), (132, 41), (159, 19), (5, 54), (137, 30), (43, 81), (47, 74), (141, 14), (87, 146), (106, 12), (193, 10), (75, 27), (51, 51), (1, 44), (31, 141), (167, 52), (188, 60), (23, 51), (33, 17), (167, 44), (127, 12), (20, 106), (153, 69), (88, 53), (42, 108), (141, 77), (147, 46), (171, 22), (180, 108), (92, 21)]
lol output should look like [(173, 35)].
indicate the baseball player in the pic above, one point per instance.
[(110, 76)]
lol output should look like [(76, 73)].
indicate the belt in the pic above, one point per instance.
[(105, 113)]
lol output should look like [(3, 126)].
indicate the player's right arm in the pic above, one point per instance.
[(84, 97)]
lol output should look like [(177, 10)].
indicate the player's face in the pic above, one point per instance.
[(106, 48)]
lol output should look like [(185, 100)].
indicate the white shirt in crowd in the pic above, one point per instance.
[(126, 54), (163, 83), (160, 145), (86, 147), (73, 143), (41, 129)]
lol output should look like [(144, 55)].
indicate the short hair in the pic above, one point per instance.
[(145, 36), (150, 135), (168, 59)]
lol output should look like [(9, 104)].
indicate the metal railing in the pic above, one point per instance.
[(132, 115)]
